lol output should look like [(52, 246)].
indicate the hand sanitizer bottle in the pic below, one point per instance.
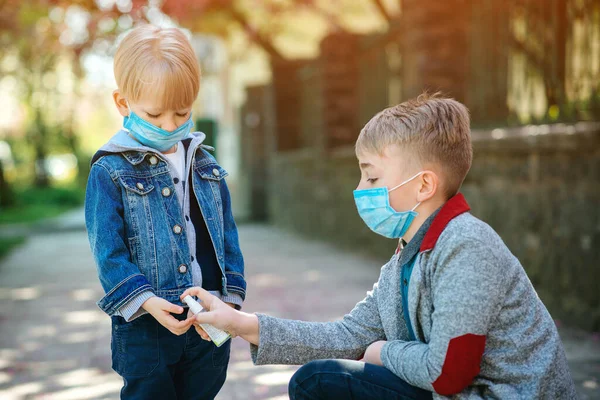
[(216, 335)]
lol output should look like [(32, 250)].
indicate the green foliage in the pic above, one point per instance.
[(7, 244), (66, 196), (33, 204)]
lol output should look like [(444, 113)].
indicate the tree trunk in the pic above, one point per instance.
[(6, 195), (555, 83), (39, 135)]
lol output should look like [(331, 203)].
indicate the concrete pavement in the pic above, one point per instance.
[(55, 342), (69, 221)]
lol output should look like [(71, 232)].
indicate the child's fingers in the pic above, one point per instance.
[(175, 309), (191, 317), (204, 297), (169, 307), (206, 318), (173, 324), (190, 321), (182, 327), (190, 292), (202, 333)]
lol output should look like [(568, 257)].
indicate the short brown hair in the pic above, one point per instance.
[(432, 128)]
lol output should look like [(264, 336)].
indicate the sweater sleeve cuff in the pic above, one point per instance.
[(133, 309), (266, 352), (389, 355), (395, 358), (234, 299)]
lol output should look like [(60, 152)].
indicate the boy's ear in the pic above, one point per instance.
[(429, 186), (121, 103)]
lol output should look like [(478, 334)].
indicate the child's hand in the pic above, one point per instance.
[(198, 328), (201, 331), (223, 316), (373, 353), (161, 310)]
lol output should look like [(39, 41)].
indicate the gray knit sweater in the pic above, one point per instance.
[(481, 331)]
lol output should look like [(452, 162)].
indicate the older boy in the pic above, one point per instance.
[(453, 312)]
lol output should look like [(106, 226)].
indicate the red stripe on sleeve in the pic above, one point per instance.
[(461, 365)]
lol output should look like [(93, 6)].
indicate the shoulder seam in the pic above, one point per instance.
[(105, 167)]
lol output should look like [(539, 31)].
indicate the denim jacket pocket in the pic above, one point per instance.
[(212, 172), (140, 186)]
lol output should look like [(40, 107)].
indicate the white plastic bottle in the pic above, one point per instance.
[(216, 335)]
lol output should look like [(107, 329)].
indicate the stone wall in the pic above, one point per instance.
[(538, 187)]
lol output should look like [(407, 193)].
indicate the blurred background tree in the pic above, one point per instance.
[(42, 44), (526, 62), (46, 47)]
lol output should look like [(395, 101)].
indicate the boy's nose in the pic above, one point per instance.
[(169, 125)]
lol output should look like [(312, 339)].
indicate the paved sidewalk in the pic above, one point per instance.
[(55, 342), (70, 221)]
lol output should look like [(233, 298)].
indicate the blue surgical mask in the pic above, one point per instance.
[(374, 208), (151, 135)]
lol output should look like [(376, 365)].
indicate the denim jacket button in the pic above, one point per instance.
[(166, 192), (177, 229), (140, 186), (182, 269), (216, 172), (153, 160)]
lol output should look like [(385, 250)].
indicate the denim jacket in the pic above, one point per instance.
[(136, 230)]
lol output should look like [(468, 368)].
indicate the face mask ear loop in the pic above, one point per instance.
[(415, 207), (128, 116), (405, 182)]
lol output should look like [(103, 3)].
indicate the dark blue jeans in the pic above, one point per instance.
[(346, 379), (156, 364)]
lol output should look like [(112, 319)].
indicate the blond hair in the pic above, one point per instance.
[(430, 129), (157, 63)]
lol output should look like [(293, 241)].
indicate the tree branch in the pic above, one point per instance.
[(259, 39), (383, 10)]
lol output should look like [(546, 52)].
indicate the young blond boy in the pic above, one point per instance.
[(453, 312), (158, 215)]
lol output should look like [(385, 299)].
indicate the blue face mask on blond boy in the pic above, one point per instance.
[(153, 136), (374, 208)]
